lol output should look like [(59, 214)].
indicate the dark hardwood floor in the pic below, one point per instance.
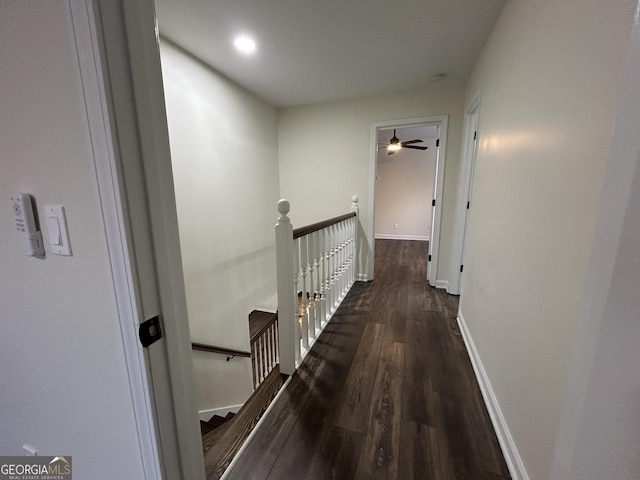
[(387, 392)]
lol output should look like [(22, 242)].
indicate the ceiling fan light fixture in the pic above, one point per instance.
[(394, 147), (394, 143)]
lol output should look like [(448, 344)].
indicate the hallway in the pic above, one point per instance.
[(387, 392)]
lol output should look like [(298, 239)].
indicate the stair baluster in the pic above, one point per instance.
[(303, 294), (322, 276), (316, 289), (311, 284)]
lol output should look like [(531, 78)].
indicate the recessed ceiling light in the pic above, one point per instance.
[(245, 44)]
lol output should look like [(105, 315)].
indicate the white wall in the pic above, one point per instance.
[(330, 143), (600, 431), (607, 440), (404, 190), (65, 388), (550, 76), (224, 155)]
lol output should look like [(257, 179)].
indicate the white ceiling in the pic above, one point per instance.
[(321, 50)]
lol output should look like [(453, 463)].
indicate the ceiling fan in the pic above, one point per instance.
[(395, 144)]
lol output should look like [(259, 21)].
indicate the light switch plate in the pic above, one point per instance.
[(57, 226)]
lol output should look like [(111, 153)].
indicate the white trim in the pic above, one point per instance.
[(507, 444), (362, 277), (105, 164), (444, 284), (386, 236), (205, 415), (255, 429), (465, 185), (442, 121), (133, 72)]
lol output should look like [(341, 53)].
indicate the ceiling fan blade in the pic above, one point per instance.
[(411, 141), (391, 152), (415, 148)]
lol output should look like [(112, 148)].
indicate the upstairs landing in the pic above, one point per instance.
[(386, 392)]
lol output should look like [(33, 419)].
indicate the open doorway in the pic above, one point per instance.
[(407, 186), (405, 182)]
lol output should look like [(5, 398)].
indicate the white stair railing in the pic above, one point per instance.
[(316, 268), (264, 352)]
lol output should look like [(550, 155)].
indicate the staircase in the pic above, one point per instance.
[(214, 422), (222, 443), (222, 437)]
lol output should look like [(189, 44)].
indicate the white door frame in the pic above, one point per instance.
[(104, 161), (465, 188), (120, 70), (442, 122)]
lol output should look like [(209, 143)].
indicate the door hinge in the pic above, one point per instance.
[(461, 268), (433, 202), (467, 205), (475, 135), (437, 142), (150, 331), (429, 259)]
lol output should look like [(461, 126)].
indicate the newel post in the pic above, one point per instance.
[(286, 294)]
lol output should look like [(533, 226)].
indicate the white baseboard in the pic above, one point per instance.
[(507, 444), (385, 236), (205, 415), (442, 284)]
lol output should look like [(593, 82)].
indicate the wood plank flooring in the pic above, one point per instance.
[(387, 392)]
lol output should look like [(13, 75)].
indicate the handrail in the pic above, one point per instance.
[(264, 327), (224, 351), (314, 227)]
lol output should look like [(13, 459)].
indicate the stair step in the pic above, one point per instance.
[(223, 443), (216, 421), (205, 427)]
